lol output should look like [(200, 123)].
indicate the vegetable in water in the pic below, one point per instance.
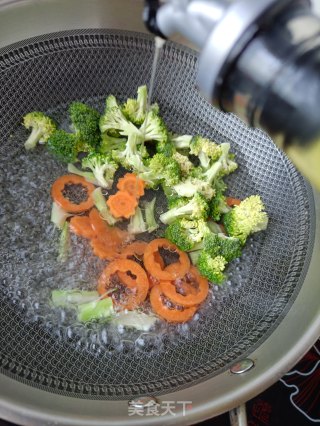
[(131, 184), (95, 311), (137, 224), (122, 204), (58, 215), (101, 204), (84, 189), (64, 243), (103, 168), (135, 319), (151, 222), (85, 123), (178, 269), (189, 168), (41, 127), (72, 298), (246, 218)]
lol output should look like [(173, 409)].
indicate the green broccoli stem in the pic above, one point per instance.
[(213, 171), (173, 214), (72, 298), (33, 138), (152, 225), (216, 167), (100, 203), (89, 176), (96, 310), (137, 224), (64, 243), (182, 142), (58, 215)]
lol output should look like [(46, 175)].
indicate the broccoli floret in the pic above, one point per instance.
[(191, 186), (185, 164), (113, 120), (205, 182), (211, 267), (149, 207), (206, 150), (175, 201), (196, 208), (137, 225), (42, 128), (85, 122), (211, 244), (110, 143), (218, 206), (135, 109), (66, 146), (246, 218), (219, 244), (154, 129), (223, 166), (215, 243), (181, 142), (186, 233), (132, 156), (102, 166), (165, 147), (230, 247), (161, 168)]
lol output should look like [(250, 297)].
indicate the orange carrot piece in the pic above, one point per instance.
[(137, 248), (122, 204), (57, 190), (194, 295), (131, 184), (109, 239), (139, 285), (103, 251), (177, 269), (232, 201), (170, 314), (81, 225), (158, 259)]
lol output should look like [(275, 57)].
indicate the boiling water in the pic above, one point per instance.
[(30, 269)]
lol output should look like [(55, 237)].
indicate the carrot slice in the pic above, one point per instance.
[(81, 226), (103, 251), (139, 285), (136, 248), (59, 186), (158, 259), (122, 204), (131, 184), (193, 295), (170, 314), (232, 201), (110, 235), (99, 226), (109, 239), (177, 269), (152, 280)]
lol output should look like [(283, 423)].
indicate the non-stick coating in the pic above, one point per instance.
[(47, 73)]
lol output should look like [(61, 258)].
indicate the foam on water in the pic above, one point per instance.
[(31, 270)]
